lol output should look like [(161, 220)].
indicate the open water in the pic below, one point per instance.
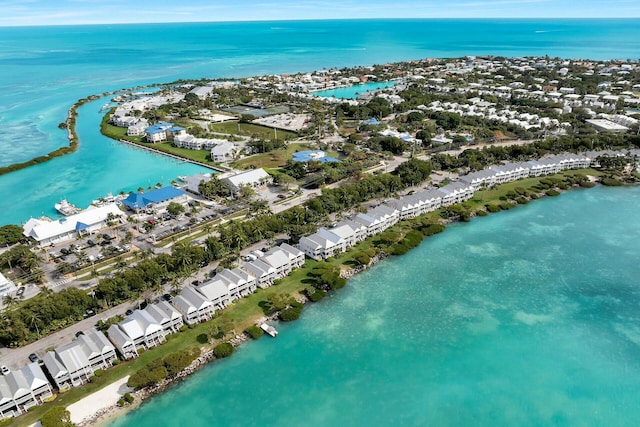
[(44, 70), (524, 318)]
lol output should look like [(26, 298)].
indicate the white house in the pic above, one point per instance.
[(123, 343), (216, 291), (195, 308), (239, 282), (143, 329), (263, 272), (166, 316), (296, 256), (23, 389), (70, 227), (68, 365), (222, 152), (6, 285), (253, 178)]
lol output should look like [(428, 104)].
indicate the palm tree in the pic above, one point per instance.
[(8, 300), (35, 318)]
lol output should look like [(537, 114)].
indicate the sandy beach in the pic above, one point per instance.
[(102, 403)]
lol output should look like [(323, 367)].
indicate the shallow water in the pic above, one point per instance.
[(528, 317)]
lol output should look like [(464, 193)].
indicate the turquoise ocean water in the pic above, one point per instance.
[(523, 318), (44, 70)]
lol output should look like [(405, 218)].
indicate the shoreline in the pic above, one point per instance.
[(104, 418)]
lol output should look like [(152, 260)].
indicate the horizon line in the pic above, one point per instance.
[(322, 20)]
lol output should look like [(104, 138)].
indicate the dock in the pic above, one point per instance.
[(269, 330)]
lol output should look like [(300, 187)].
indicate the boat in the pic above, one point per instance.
[(65, 208), (105, 107), (109, 198), (269, 330)]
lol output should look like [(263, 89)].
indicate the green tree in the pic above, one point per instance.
[(175, 209), (10, 234), (58, 416)]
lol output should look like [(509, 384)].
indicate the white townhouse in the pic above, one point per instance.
[(166, 316), (359, 229), (456, 192), (278, 259), (86, 222), (23, 389), (263, 272), (407, 206), (378, 219), (510, 172), (222, 152), (240, 283), (216, 291), (573, 161), (157, 132), (194, 307), (544, 166), (296, 256), (99, 351), (428, 201), (123, 343), (322, 244), (68, 365), (137, 129)]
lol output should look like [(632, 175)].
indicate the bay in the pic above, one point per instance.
[(44, 70), (528, 317)]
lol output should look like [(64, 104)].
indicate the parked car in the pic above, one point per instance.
[(91, 242), (65, 251), (128, 312), (79, 333), (4, 370), (20, 291), (167, 297), (34, 358)]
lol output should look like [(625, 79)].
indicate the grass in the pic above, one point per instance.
[(273, 159), (249, 129)]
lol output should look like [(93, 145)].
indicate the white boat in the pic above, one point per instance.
[(65, 208), (269, 330), (105, 107)]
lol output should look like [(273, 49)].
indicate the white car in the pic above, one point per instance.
[(4, 370)]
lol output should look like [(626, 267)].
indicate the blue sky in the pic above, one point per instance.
[(61, 12)]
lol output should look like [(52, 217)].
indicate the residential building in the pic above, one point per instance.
[(223, 152), (156, 199), (6, 286), (252, 178), (122, 342), (23, 389), (195, 308), (215, 290), (166, 316), (263, 272)]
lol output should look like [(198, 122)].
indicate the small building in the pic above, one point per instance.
[(253, 178), (72, 226), (166, 316), (155, 199), (263, 272), (68, 365), (603, 125), (143, 329), (123, 343), (157, 132), (6, 286), (223, 152), (216, 291), (313, 155), (195, 308), (23, 389)]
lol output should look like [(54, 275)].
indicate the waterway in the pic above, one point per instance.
[(527, 317), (47, 69)]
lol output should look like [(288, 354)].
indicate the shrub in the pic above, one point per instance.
[(522, 201), (290, 314), (58, 416), (128, 398), (223, 350), (149, 375), (98, 373), (481, 212), (254, 332), (552, 193), (183, 328), (399, 249), (432, 229), (611, 182), (317, 295), (362, 258), (115, 362), (587, 184), (505, 206), (120, 402), (534, 196), (176, 362), (202, 338), (520, 190), (493, 208)]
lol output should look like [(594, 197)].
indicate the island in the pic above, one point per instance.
[(306, 190)]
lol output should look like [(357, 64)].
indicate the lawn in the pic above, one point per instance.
[(249, 129), (273, 159)]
